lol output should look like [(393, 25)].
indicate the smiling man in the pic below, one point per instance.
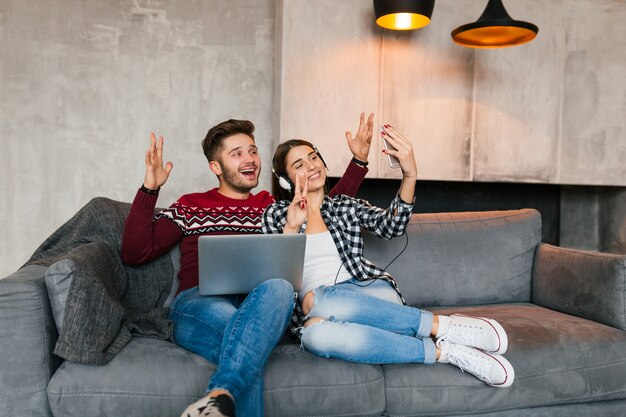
[(236, 333)]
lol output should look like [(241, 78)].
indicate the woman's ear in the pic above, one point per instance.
[(215, 167)]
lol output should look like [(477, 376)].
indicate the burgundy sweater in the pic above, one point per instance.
[(193, 215)]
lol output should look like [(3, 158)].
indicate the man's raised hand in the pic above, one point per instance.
[(156, 173), (360, 144)]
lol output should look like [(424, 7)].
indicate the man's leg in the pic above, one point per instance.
[(251, 334), (200, 321), (247, 331)]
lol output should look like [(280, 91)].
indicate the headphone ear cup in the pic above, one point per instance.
[(285, 183)]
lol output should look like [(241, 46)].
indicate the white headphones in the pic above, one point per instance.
[(284, 182)]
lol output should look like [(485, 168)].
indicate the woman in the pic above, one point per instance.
[(353, 310)]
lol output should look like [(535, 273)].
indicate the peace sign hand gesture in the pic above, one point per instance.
[(298, 209)]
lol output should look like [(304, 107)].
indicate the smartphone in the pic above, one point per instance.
[(393, 161)]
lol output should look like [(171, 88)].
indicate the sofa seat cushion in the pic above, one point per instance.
[(149, 377), (297, 383), (558, 359)]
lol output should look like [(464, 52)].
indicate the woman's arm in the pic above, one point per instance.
[(385, 223), (403, 150), (392, 222)]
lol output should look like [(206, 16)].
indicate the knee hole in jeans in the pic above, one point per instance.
[(312, 321), (308, 302)]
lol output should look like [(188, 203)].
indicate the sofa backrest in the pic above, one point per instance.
[(462, 258)]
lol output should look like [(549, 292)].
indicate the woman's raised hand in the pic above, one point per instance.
[(156, 173), (297, 211), (403, 151)]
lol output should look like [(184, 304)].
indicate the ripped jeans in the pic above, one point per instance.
[(366, 322)]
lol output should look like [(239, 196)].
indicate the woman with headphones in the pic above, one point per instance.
[(351, 309)]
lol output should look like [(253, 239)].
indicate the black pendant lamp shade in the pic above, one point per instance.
[(403, 14), (494, 29)]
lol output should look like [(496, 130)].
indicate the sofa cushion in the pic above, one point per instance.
[(298, 383), (27, 334), (457, 259), (558, 359), (58, 281), (148, 377), (161, 379), (583, 283)]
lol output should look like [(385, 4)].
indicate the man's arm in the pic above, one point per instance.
[(351, 180), (357, 168), (143, 238)]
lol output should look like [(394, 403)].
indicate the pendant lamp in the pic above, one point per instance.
[(494, 29), (403, 14)]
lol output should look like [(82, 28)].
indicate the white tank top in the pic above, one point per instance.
[(322, 263)]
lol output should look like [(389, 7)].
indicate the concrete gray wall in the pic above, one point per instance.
[(594, 218), (83, 82)]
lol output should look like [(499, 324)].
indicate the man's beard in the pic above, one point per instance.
[(232, 178)]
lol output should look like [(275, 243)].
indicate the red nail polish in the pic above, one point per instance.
[(386, 125), (383, 133)]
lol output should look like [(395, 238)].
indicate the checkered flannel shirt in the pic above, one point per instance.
[(345, 216)]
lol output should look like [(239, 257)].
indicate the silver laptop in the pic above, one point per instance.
[(236, 264)]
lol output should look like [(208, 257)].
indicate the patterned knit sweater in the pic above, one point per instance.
[(186, 220), (198, 214)]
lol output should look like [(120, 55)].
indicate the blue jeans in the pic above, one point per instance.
[(236, 333), (366, 322)]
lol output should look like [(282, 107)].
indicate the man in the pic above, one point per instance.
[(236, 333)]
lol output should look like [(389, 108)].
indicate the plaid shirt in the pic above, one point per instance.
[(345, 216)]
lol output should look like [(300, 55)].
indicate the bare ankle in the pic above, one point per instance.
[(220, 391)]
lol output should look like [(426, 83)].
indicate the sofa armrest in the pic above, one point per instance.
[(27, 338), (587, 284)]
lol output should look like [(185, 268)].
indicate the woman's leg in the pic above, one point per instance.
[(370, 303), (376, 304), (365, 344)]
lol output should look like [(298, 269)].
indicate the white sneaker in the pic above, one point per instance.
[(479, 332), (494, 370)]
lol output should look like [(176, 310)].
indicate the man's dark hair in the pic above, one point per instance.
[(212, 143)]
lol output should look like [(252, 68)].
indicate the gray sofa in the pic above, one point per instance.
[(563, 309)]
